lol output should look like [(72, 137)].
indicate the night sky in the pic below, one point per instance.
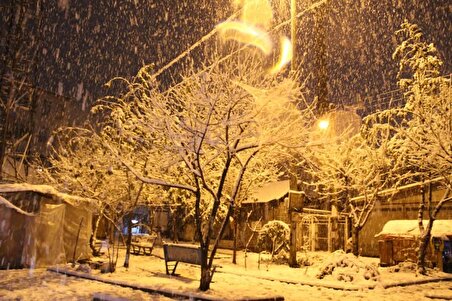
[(82, 44), (360, 42)]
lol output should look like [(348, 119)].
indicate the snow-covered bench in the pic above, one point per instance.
[(141, 247), (142, 244), (180, 253)]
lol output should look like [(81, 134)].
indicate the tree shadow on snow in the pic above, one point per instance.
[(175, 277)]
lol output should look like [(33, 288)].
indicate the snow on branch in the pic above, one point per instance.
[(147, 180), (8, 204)]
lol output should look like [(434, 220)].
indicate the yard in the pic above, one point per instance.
[(232, 282)]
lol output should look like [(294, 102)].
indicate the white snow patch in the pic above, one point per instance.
[(410, 228)]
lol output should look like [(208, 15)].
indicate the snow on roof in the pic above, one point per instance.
[(43, 189), (269, 192), (411, 228)]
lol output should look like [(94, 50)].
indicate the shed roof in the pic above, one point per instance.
[(410, 228), (42, 189), (269, 192)]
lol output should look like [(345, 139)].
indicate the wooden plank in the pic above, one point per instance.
[(184, 253)]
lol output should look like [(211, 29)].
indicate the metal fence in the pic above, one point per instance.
[(319, 230)]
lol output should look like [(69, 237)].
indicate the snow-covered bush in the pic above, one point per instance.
[(348, 268), (85, 268), (405, 266), (305, 261), (274, 237)]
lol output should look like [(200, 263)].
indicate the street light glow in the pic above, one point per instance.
[(324, 124), (252, 29), (285, 57), (247, 34)]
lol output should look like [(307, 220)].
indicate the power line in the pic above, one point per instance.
[(389, 99)]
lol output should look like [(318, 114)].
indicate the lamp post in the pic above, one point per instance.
[(293, 33), (293, 179)]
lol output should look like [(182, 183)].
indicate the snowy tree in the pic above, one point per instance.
[(424, 139), (81, 164), (419, 134), (346, 168), (204, 134), (76, 163)]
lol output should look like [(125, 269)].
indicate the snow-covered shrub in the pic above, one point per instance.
[(406, 266), (85, 268), (274, 237), (347, 267), (108, 267), (305, 261)]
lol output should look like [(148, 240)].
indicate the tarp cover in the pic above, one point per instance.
[(77, 218), (47, 238), (441, 228), (12, 225), (43, 236)]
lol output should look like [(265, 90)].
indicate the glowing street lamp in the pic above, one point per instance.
[(252, 29), (324, 124)]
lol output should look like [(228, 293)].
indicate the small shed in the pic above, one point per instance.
[(40, 226), (270, 201), (266, 203), (398, 242)]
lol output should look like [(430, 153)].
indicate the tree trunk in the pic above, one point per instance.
[(175, 230), (234, 251), (92, 240), (206, 273), (205, 280), (294, 200), (129, 240), (293, 263), (423, 244), (4, 136), (425, 233), (355, 240), (111, 265)]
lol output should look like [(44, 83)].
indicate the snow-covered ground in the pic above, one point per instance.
[(235, 281)]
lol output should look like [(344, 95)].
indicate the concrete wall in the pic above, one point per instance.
[(404, 207)]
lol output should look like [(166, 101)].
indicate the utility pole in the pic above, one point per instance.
[(293, 34), (294, 205), (320, 68), (293, 178)]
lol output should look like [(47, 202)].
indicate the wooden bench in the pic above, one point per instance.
[(180, 253), (142, 244), (139, 247)]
